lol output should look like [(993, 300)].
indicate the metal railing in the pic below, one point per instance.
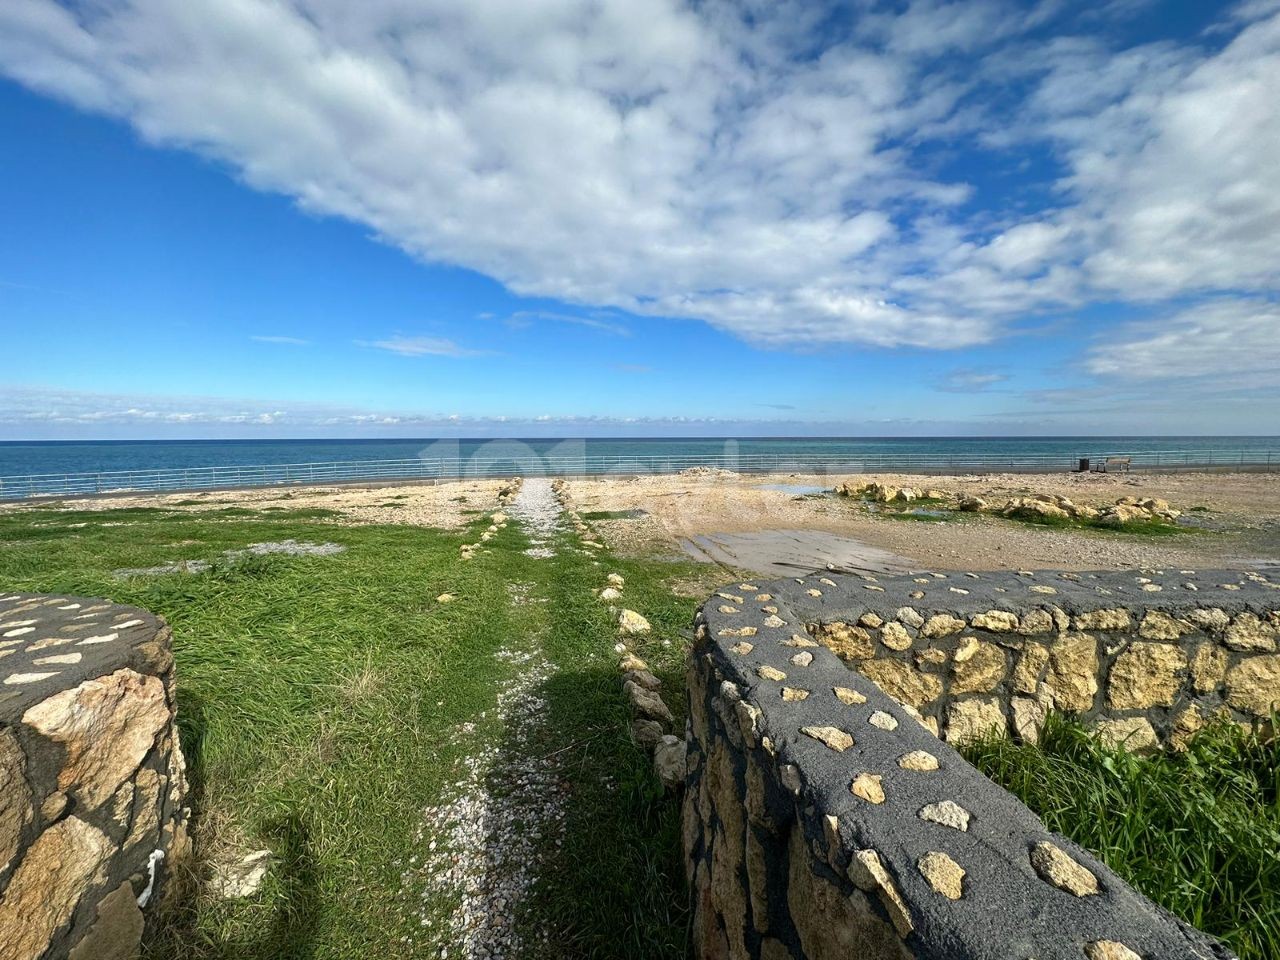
[(358, 471)]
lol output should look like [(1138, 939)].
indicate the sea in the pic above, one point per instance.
[(26, 458)]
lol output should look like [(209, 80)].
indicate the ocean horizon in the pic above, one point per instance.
[(36, 457)]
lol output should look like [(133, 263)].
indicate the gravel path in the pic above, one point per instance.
[(537, 508), (481, 844)]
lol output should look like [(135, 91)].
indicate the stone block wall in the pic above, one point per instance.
[(823, 818), (92, 778), (1148, 659)]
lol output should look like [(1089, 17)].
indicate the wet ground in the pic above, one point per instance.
[(794, 552)]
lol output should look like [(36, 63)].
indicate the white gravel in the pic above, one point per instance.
[(537, 508), (481, 845)]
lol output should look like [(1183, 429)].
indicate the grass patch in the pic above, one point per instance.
[(613, 515), (1149, 528), (319, 704), (1198, 832)]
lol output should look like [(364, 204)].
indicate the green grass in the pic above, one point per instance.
[(613, 515), (319, 699), (1150, 528), (1197, 832)]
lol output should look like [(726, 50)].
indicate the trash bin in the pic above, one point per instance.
[(1084, 464)]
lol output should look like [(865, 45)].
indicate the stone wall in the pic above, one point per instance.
[(823, 818), (1145, 658), (92, 778)]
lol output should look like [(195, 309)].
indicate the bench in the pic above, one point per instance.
[(1118, 463)]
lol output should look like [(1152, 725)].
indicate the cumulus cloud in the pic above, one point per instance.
[(771, 169)]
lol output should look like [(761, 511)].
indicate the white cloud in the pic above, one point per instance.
[(967, 380), (765, 168), (1235, 342), (287, 341), (421, 347)]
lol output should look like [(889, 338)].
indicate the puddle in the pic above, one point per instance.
[(792, 552), (797, 489)]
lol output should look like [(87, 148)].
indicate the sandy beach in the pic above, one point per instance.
[(755, 522), (1239, 528)]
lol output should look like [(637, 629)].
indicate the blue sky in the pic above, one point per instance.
[(314, 218)]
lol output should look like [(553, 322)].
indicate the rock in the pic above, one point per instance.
[(846, 641), (1072, 674), (1208, 667), (972, 720), (1185, 726), (871, 621), (235, 881), (972, 504), (838, 740), (1248, 632), (107, 725), (1134, 734), (1253, 685), (980, 672), (1055, 866), (632, 624), (1117, 619), (1026, 675), (948, 813), (919, 760), (16, 802), (774, 621), (895, 636), (48, 885), (646, 703), (867, 786), (902, 681), (669, 762), (848, 696), (446, 598), (609, 594), (644, 678), (1146, 675), (116, 931), (882, 720), (1029, 508), (767, 672), (868, 873), (646, 733), (1122, 514), (910, 617), (630, 661), (995, 621), (615, 580), (1160, 626), (1212, 619), (830, 924), (1028, 718), (1109, 950), (945, 876), (941, 625), (794, 694)]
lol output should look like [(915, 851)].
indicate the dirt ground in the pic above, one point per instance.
[(445, 505), (687, 512), (1240, 528)]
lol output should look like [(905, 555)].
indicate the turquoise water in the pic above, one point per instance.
[(56, 457)]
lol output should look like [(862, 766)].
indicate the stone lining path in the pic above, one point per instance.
[(481, 843)]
